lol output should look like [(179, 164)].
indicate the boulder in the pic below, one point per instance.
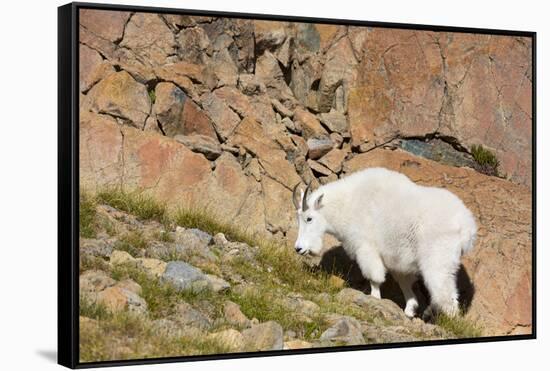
[(185, 277), (93, 281), (318, 147), (233, 315), (335, 121), (92, 68), (121, 96), (194, 44), (185, 314), (310, 126), (147, 35), (106, 24), (263, 336), (95, 247), (223, 118), (178, 114), (118, 298), (208, 146), (344, 329), (334, 160)]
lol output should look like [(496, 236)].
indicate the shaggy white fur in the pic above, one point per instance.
[(386, 222)]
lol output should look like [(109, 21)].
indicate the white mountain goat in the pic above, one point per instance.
[(386, 222)]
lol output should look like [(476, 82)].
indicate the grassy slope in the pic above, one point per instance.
[(123, 335)]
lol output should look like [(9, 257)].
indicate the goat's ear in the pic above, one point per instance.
[(318, 202)]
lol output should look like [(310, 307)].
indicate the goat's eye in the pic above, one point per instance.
[(308, 219)]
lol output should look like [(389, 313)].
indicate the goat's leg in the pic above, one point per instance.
[(372, 268), (406, 282), (441, 284)]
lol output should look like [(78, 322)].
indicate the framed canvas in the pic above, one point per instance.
[(242, 185)]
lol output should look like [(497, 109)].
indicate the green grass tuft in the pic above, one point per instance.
[(87, 215), (132, 242), (458, 326), (487, 162), (138, 204), (90, 309), (152, 96)]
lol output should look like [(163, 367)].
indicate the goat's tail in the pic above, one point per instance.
[(468, 233)]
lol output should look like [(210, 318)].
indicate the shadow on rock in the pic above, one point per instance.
[(336, 261)]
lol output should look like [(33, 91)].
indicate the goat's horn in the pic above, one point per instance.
[(304, 200), (295, 196)]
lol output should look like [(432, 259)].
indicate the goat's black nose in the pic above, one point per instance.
[(298, 249)]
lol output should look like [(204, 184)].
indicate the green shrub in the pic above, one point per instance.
[(487, 162)]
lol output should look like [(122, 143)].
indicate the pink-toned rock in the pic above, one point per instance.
[(180, 115), (339, 69), (150, 39), (92, 68), (474, 88), (223, 118), (112, 155), (318, 168), (311, 127), (334, 160), (121, 96), (106, 24), (208, 146), (318, 147), (251, 135), (499, 266), (194, 44)]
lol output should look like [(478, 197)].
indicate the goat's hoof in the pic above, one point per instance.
[(410, 312), (428, 315)]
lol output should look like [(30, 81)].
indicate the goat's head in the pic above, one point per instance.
[(311, 222)]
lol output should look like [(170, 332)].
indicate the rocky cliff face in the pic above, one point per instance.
[(230, 114)]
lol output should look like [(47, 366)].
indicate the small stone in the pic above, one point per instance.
[(334, 160), (119, 257), (185, 277), (186, 315), (383, 308), (337, 139), (303, 306), (94, 281), (117, 298), (233, 315), (289, 124), (130, 285), (346, 329), (318, 147), (220, 240), (280, 108), (152, 266), (249, 84), (217, 284), (264, 336), (311, 127), (95, 247), (318, 168), (335, 121), (208, 146)]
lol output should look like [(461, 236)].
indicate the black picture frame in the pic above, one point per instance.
[(68, 181)]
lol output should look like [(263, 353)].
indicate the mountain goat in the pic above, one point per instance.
[(386, 222)]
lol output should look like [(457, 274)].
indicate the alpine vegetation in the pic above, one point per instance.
[(387, 223)]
